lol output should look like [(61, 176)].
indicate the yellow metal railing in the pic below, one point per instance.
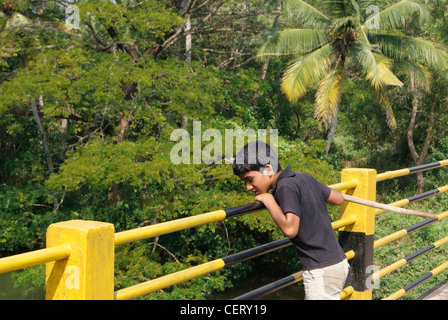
[(168, 227), (193, 272), (403, 172), (79, 254), (411, 286), (400, 233), (34, 258)]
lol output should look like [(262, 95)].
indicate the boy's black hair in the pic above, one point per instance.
[(255, 156)]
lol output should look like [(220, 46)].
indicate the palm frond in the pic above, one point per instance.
[(360, 30), (399, 46), (301, 12), (392, 17), (380, 72), (429, 52), (382, 99), (339, 25), (391, 45), (293, 41), (363, 4), (306, 72), (343, 8), (328, 95), (418, 73), (377, 67)]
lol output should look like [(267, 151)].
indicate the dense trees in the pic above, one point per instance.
[(348, 39), (91, 91)]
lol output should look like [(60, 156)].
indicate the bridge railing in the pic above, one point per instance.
[(368, 277), (80, 254), (406, 231)]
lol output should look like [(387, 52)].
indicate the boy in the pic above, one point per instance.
[(298, 207)]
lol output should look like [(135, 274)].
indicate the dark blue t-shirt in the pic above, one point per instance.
[(301, 194)]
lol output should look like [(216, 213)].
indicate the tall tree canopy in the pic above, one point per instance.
[(342, 39)]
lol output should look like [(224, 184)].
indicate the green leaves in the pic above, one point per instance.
[(103, 164), (306, 72), (328, 95), (343, 8), (399, 46), (305, 14), (144, 21), (111, 100), (427, 52), (341, 36), (393, 16), (24, 216), (376, 66), (293, 41)]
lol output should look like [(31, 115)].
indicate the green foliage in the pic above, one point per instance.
[(23, 220), (327, 42), (110, 93), (32, 280), (101, 165)]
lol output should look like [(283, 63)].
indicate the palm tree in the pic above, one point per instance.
[(327, 45)]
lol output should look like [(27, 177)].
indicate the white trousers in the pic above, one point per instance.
[(325, 283)]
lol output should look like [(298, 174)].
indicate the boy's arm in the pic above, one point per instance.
[(335, 197), (288, 223)]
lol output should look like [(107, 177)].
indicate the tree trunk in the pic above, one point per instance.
[(64, 123), (123, 128), (264, 68), (186, 6), (113, 193), (412, 149), (330, 136), (419, 158), (44, 140)]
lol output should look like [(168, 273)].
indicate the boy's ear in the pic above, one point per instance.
[(267, 170)]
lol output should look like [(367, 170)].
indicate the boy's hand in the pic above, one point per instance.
[(264, 197), (288, 222)]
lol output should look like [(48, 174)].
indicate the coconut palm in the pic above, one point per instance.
[(353, 36)]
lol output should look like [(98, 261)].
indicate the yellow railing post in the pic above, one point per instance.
[(89, 271), (359, 237)]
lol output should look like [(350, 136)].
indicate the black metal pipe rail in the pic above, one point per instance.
[(256, 251), (193, 272), (417, 282), (244, 209), (399, 263), (403, 172), (215, 265), (279, 284), (408, 230), (271, 287), (417, 197)]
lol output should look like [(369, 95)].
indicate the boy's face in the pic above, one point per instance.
[(259, 182)]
